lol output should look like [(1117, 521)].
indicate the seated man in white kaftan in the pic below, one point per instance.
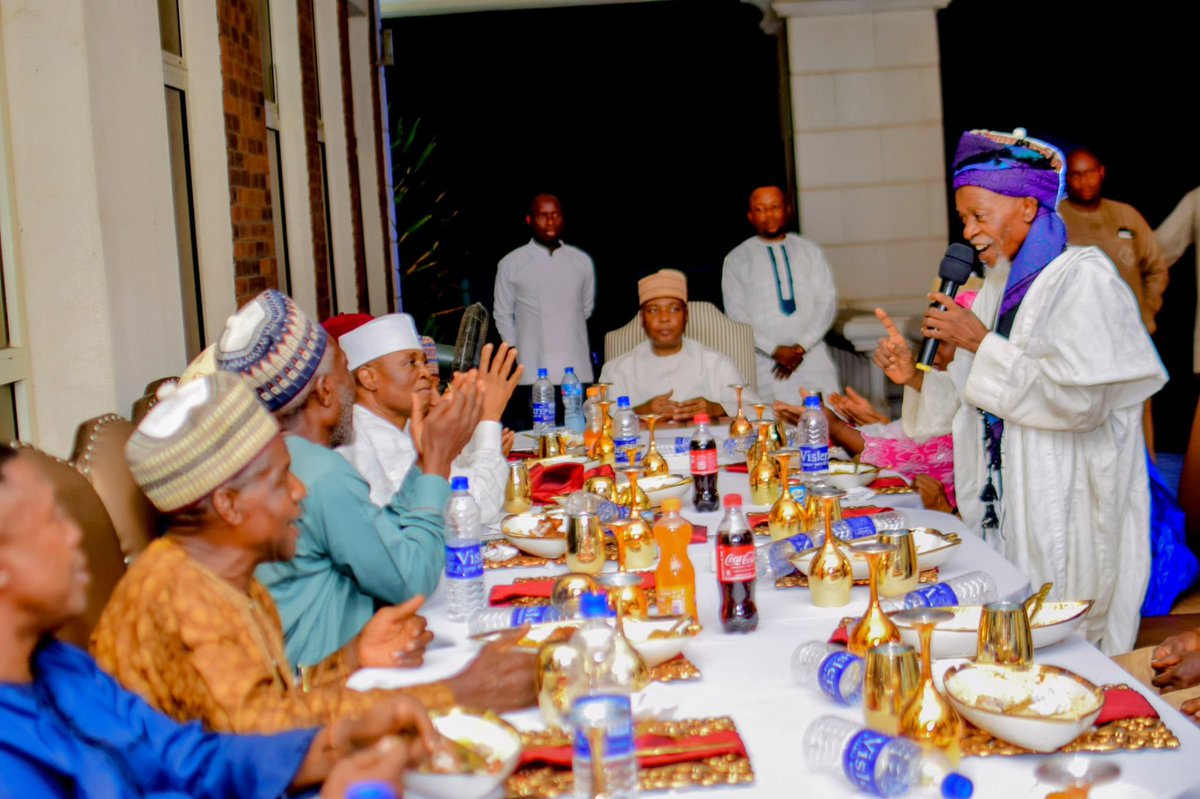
[(1045, 393), (668, 373), (780, 284), (388, 364)]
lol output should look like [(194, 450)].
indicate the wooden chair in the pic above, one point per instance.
[(100, 543), (99, 455), (707, 325)]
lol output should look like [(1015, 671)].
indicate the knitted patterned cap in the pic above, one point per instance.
[(274, 345), (196, 438)]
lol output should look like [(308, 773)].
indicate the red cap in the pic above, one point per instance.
[(733, 500), (700, 418), (343, 323)]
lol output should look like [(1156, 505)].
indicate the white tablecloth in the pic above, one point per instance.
[(747, 677)]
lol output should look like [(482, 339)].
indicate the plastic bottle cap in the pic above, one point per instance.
[(622, 402), (543, 373), (570, 370), (733, 500), (671, 504), (459, 484), (700, 418), (956, 786), (812, 401), (593, 605)]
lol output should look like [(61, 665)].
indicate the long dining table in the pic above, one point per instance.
[(747, 677)]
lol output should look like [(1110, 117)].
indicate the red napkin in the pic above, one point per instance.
[(548, 482), (699, 534), (503, 594), (888, 482), (521, 455), (1124, 703), (725, 742), (840, 636), (865, 510), (738, 468)]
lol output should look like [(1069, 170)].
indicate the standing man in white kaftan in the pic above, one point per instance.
[(1045, 390), (781, 285), (670, 374), (388, 364)]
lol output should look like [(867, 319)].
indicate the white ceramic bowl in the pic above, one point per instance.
[(465, 725), (655, 650), (1063, 706), (668, 485), (518, 530), (850, 474), (959, 638), (934, 548)]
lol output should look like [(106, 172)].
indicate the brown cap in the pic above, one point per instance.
[(668, 283)]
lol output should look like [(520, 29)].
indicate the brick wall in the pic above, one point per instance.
[(246, 141), (316, 178)]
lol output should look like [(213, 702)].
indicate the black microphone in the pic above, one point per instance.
[(956, 268)]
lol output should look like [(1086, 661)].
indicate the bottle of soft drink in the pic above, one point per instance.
[(491, 619), (543, 404), (972, 588), (814, 437), (704, 466), (821, 666), (878, 764), (675, 577), (464, 553), (626, 432), (601, 711), (735, 569), (572, 397)]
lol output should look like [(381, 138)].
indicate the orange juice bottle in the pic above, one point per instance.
[(592, 418), (675, 578)]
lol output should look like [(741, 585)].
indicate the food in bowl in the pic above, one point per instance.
[(850, 474), (480, 752), (960, 638), (462, 757)]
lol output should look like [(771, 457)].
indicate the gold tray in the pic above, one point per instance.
[(1123, 735), (545, 783), (799, 579)]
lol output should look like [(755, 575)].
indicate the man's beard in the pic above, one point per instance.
[(343, 433)]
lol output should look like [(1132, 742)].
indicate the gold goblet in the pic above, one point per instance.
[(765, 479), (518, 493), (759, 408), (653, 463), (874, 628), (604, 387), (630, 495), (901, 572), (568, 589), (601, 485), (556, 661), (626, 596), (786, 515), (830, 577), (740, 426), (549, 445), (636, 549), (893, 674), (928, 718), (604, 450)]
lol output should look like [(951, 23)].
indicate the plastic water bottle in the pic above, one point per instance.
[(543, 404), (371, 790), (572, 397), (821, 666), (492, 619), (464, 554), (878, 764), (861, 526), (814, 437), (774, 558), (601, 709), (626, 433), (972, 588)]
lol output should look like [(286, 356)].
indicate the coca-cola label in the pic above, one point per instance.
[(814, 459), (736, 564), (464, 562), (704, 461), (829, 675), (860, 757), (857, 527), (614, 713), (938, 595)]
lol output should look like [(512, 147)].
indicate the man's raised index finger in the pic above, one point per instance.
[(888, 324)]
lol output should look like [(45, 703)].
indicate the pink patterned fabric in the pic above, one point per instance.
[(887, 446)]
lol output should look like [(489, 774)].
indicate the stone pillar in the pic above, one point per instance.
[(867, 125)]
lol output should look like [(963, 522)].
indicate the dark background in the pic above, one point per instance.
[(652, 121)]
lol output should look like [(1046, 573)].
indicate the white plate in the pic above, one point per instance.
[(458, 725), (933, 549), (518, 527), (850, 474), (959, 638), (440, 663), (668, 485)]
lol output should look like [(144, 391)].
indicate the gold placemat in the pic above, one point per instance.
[(1123, 735), (545, 783), (677, 669), (800, 580), (894, 490)]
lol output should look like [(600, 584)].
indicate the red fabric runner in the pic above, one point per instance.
[(504, 594)]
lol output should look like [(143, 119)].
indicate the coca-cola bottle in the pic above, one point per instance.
[(736, 563), (704, 466)]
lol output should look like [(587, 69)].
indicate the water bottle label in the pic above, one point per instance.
[(464, 562), (829, 674), (704, 461), (857, 527), (814, 459), (622, 447), (938, 595), (535, 615), (615, 714), (780, 552), (860, 757), (682, 444), (737, 564), (799, 493), (543, 413)]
